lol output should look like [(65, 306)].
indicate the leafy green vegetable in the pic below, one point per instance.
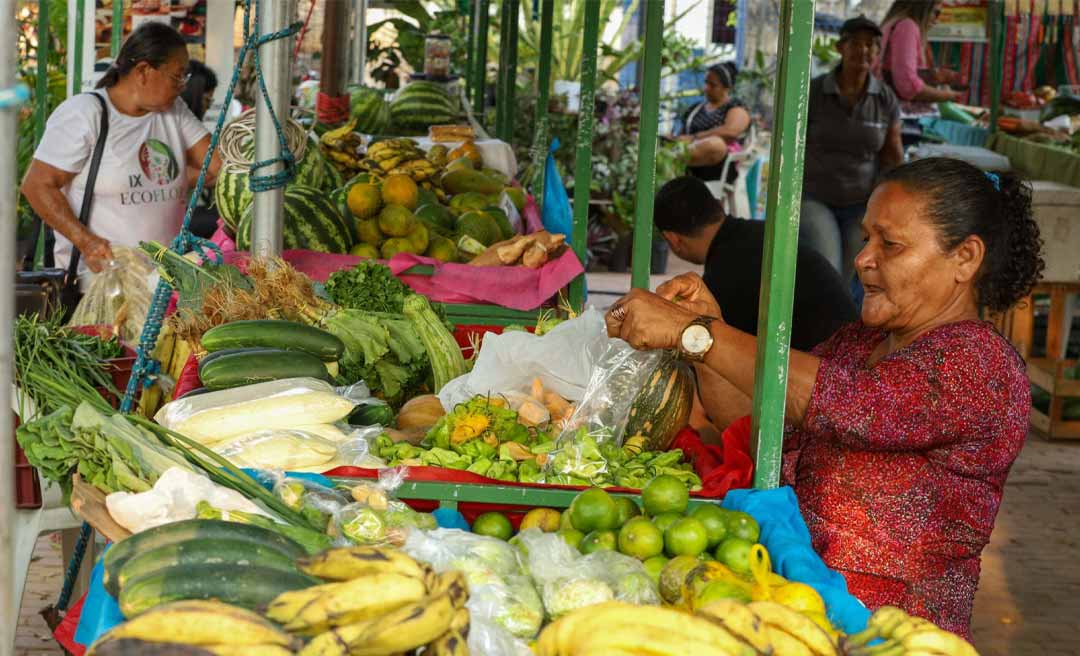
[(368, 286), (383, 350), (190, 279)]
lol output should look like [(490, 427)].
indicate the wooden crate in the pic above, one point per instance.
[(1048, 374), (1018, 324)]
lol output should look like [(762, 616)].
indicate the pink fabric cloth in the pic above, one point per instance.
[(902, 56)]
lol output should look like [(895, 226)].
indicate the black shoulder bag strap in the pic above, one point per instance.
[(72, 281)]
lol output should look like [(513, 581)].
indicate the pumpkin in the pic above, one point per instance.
[(662, 407), (420, 412)]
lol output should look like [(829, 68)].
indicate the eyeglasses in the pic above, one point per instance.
[(180, 81)]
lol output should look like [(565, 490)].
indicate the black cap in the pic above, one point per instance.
[(858, 24)]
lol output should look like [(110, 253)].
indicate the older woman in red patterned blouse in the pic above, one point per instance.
[(903, 426)]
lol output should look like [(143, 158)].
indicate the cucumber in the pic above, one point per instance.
[(193, 392), (190, 529), (270, 333), (260, 365), (210, 357), (240, 553), (372, 414), (247, 587)]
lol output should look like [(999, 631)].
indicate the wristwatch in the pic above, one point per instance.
[(696, 339)]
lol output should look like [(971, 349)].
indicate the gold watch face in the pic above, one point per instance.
[(696, 339)]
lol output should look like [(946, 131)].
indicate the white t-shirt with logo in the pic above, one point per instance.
[(141, 189)]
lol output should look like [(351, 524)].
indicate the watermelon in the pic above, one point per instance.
[(311, 170), (312, 222), (422, 104), (370, 110), (231, 194)]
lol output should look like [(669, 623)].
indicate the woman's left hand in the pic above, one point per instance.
[(646, 321)]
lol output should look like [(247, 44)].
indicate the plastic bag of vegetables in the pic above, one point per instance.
[(214, 417), (119, 296), (316, 503), (375, 517), (502, 598)]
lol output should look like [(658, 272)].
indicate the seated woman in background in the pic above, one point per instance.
[(902, 426), (715, 126)]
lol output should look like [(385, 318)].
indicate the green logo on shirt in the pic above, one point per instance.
[(157, 162)]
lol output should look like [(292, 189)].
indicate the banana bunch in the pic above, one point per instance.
[(377, 601), (197, 628), (342, 147), (400, 156), (904, 635)]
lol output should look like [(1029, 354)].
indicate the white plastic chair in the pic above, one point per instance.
[(744, 160)]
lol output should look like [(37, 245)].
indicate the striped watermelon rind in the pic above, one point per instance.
[(311, 222), (371, 111), (231, 195), (422, 104)]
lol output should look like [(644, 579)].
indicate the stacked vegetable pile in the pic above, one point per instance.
[(358, 600)]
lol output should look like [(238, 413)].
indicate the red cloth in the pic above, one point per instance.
[(722, 467), (330, 110), (65, 632), (899, 467)]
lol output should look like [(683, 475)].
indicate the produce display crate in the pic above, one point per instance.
[(1018, 324), (1048, 375)]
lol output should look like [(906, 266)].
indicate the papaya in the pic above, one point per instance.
[(460, 181), (436, 215)]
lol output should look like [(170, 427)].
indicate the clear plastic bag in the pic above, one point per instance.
[(119, 296), (214, 417), (287, 449), (568, 581), (599, 421), (317, 503), (375, 517), (501, 595)]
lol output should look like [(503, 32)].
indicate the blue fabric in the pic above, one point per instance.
[(557, 216), (100, 611), (266, 480), (784, 534), (450, 518)]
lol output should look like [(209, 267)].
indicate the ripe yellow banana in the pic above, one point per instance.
[(400, 630), (201, 623), (248, 650), (353, 562), (352, 601), (452, 583), (795, 624), (939, 640), (391, 163), (450, 643), (646, 641), (461, 622), (785, 643), (333, 137), (739, 621)]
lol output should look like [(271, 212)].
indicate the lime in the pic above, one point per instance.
[(713, 518), (628, 509), (493, 524), (715, 590), (742, 525), (641, 539), (665, 494), (572, 536), (673, 576), (598, 541), (564, 520), (594, 510), (686, 537), (706, 556), (664, 520), (653, 566), (545, 519), (735, 553)]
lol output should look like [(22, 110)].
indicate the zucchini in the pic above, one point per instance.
[(240, 553), (190, 529), (372, 414), (258, 366), (210, 357), (247, 587), (271, 333)]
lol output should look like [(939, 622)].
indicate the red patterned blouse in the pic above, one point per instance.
[(899, 467)]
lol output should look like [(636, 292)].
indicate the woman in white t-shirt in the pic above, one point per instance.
[(141, 191)]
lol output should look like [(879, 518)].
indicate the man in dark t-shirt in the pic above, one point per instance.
[(696, 227)]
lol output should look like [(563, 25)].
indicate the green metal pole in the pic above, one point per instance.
[(543, 94), (76, 76), (470, 51), (500, 77), (511, 9), (583, 158), (997, 54), (483, 19), (41, 107), (781, 239), (117, 26), (647, 128)]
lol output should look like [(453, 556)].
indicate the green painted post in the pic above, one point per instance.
[(511, 12), (583, 157), (480, 25), (650, 116), (781, 239), (80, 17), (997, 54), (470, 51), (501, 106), (543, 94), (41, 107), (117, 27)]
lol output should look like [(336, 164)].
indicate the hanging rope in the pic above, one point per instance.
[(303, 30)]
